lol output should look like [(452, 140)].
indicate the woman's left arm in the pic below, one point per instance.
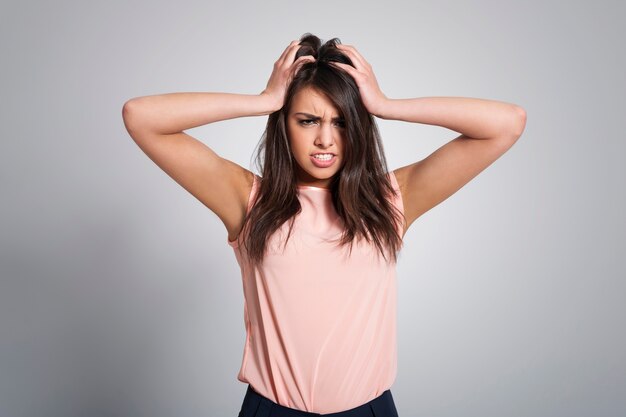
[(473, 117), (487, 130)]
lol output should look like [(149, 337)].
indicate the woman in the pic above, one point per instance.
[(317, 235)]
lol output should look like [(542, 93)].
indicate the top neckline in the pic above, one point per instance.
[(311, 187)]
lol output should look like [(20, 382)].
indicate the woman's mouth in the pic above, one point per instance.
[(323, 160)]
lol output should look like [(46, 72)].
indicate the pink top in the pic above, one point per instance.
[(320, 326)]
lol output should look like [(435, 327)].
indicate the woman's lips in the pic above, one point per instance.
[(323, 163)]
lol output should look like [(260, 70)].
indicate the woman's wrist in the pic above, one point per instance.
[(382, 108), (270, 103)]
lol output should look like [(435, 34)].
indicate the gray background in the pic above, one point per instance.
[(120, 297)]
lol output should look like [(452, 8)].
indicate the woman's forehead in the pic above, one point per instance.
[(313, 102)]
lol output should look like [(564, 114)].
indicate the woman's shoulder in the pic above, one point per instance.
[(254, 183), (391, 174)]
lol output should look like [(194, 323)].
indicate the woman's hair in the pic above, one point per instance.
[(360, 190)]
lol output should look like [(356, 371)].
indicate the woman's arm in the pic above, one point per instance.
[(474, 117), (488, 129), (156, 123), (174, 112)]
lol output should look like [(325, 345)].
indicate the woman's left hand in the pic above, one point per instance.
[(373, 98)]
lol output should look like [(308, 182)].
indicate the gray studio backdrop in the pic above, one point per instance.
[(119, 295)]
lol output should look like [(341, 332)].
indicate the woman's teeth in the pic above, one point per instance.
[(324, 156)]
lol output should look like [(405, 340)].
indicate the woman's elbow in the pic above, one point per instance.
[(519, 123), (130, 113)]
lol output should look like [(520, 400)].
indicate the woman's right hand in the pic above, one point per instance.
[(284, 70)]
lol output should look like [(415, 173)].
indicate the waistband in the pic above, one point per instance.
[(256, 405)]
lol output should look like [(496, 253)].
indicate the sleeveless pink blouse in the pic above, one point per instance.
[(320, 323)]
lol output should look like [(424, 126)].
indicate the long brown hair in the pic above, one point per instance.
[(360, 190)]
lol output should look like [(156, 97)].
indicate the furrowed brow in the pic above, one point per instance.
[(313, 117)]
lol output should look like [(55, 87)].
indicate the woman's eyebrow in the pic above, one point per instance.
[(313, 117)]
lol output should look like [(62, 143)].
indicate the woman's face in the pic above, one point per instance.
[(314, 127)]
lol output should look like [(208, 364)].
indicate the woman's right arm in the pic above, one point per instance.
[(156, 124), (174, 112)]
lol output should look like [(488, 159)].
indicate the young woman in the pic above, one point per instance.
[(317, 235)]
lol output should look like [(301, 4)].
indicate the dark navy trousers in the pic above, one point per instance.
[(256, 405)]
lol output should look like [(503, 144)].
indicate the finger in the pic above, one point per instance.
[(301, 61), (289, 58), (354, 55), (288, 55), (347, 68), (281, 59), (357, 59)]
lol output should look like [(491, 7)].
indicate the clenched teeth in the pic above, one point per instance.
[(324, 156)]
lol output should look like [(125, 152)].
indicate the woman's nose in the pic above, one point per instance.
[(325, 136)]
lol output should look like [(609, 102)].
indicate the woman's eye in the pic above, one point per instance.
[(309, 122)]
